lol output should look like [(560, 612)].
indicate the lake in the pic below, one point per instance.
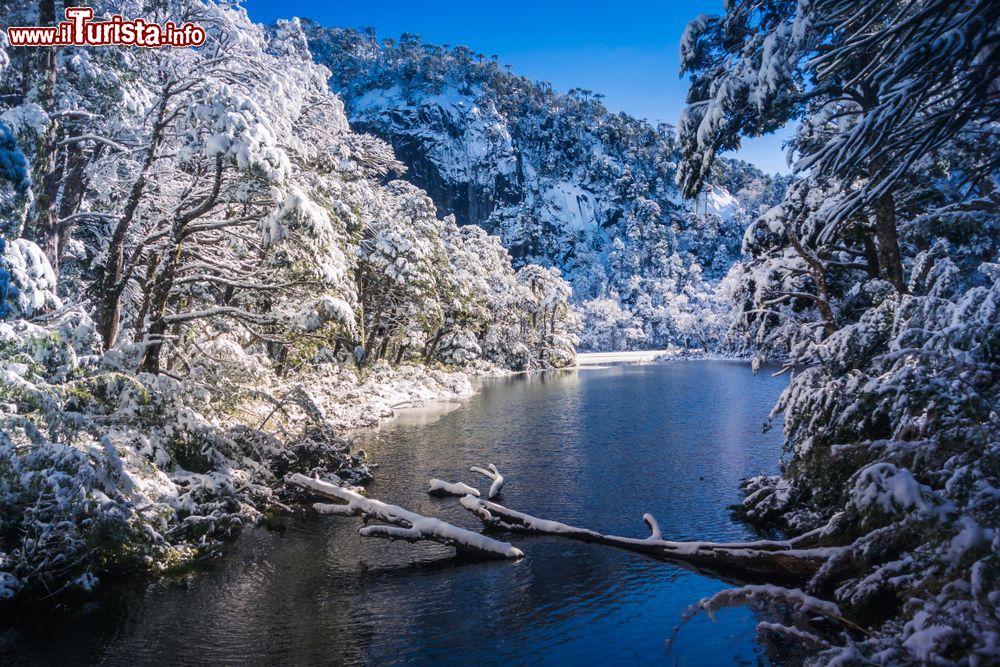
[(594, 447)]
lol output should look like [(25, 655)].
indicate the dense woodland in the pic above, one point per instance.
[(876, 281), (204, 269)]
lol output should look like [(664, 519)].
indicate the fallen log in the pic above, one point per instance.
[(403, 524), (770, 560)]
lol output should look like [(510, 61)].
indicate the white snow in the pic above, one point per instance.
[(494, 475), (571, 206), (889, 488), (722, 203), (589, 359), (31, 276), (441, 487)]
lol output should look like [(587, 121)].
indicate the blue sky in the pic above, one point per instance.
[(626, 50)]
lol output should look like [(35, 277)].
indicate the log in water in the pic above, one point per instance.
[(591, 447)]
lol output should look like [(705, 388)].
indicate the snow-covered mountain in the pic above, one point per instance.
[(558, 177)]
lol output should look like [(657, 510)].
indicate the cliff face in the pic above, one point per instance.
[(459, 150), (559, 178)]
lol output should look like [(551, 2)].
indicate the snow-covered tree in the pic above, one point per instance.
[(551, 324), (875, 280), (203, 269)]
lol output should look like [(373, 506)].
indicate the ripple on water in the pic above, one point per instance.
[(596, 447)]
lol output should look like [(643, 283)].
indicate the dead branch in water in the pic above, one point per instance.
[(798, 561), (402, 524), (439, 487), (795, 560), (494, 475)]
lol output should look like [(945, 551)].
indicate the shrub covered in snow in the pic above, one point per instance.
[(102, 470), (31, 288)]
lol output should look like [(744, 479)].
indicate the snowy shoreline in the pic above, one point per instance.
[(585, 359), (177, 509), (597, 359), (389, 392)]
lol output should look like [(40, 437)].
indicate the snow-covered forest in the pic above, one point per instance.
[(563, 182), (205, 273), (215, 261)]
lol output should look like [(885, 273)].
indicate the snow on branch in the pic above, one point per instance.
[(794, 600), (789, 561), (493, 474), (439, 487), (86, 215), (229, 311), (97, 138), (402, 523), (654, 527)]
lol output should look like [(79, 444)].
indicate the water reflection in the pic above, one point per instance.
[(594, 447)]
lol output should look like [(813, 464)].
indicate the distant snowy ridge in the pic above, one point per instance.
[(560, 179)]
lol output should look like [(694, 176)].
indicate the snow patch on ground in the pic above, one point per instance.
[(351, 403), (588, 359)]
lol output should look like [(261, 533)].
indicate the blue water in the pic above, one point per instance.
[(596, 448)]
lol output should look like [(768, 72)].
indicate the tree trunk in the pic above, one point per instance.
[(818, 273), (147, 289), (404, 524), (889, 256), (159, 296), (73, 188), (794, 561), (871, 256), (369, 343), (43, 227), (431, 347), (164, 283), (112, 279)]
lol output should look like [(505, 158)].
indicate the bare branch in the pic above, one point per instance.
[(493, 474)]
